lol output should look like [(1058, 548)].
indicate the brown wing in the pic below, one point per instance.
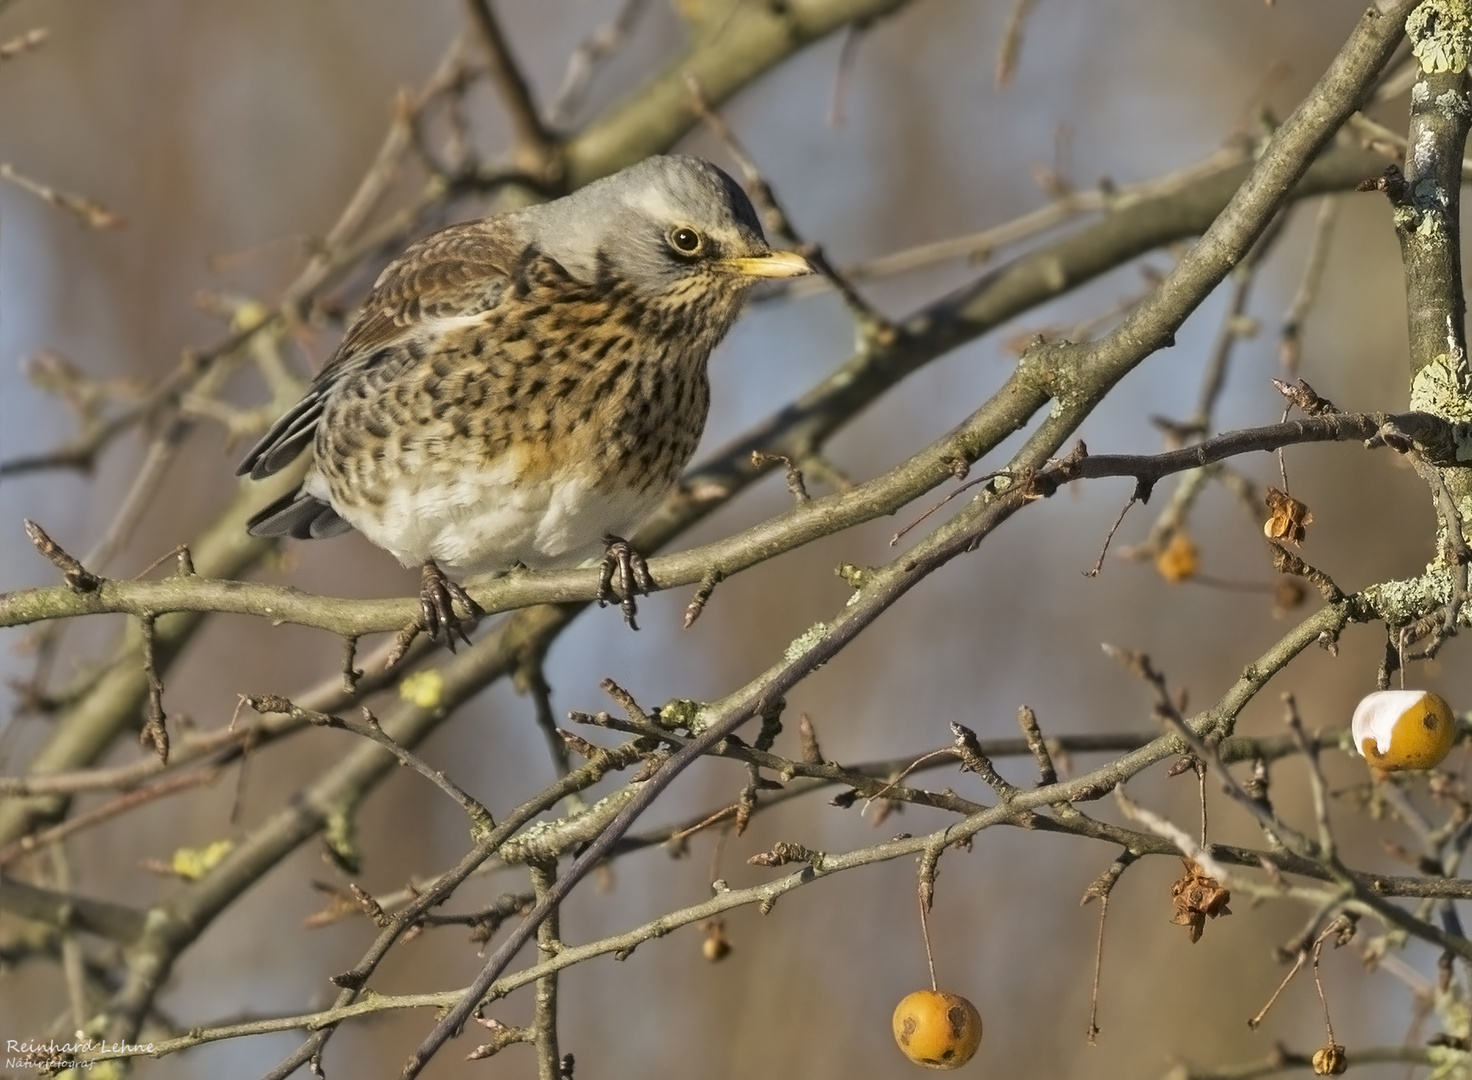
[(460, 270)]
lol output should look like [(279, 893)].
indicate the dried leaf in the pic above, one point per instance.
[(1287, 517), (1197, 896), (1179, 561)]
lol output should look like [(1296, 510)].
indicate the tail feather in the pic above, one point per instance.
[(303, 516)]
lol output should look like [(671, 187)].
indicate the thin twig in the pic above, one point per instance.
[(1298, 963), (1317, 785), (938, 504), (1100, 889), (1098, 971), (795, 484), (78, 578), (544, 1001), (1098, 566), (701, 596), (72, 961), (536, 147), (1183, 840), (1037, 745), (532, 676), (584, 61), (1290, 347), (1011, 47), (108, 810), (723, 814), (23, 43), (847, 55), (85, 210), (154, 732), (370, 729)]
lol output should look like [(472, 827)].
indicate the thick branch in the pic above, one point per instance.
[(1427, 218)]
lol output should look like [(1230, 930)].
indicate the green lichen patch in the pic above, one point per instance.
[(855, 576), (806, 641), (1439, 389), (1431, 229), (339, 836), (1453, 104), (1401, 602), (681, 713), (1441, 35), (543, 841)]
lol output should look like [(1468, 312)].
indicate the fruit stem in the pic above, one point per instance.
[(925, 933)]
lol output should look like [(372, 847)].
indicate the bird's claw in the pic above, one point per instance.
[(437, 596), (633, 577)]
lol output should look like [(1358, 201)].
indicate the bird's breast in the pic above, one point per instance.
[(479, 519)]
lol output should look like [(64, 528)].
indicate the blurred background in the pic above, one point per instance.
[(230, 136)]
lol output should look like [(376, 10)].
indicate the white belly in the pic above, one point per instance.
[(474, 522)]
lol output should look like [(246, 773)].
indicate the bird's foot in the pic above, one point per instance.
[(633, 576), (437, 596)]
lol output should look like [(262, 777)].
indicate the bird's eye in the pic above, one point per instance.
[(685, 240)]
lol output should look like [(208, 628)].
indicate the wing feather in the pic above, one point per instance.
[(460, 270)]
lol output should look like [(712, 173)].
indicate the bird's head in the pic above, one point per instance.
[(661, 225)]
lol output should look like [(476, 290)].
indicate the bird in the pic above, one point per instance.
[(525, 389)]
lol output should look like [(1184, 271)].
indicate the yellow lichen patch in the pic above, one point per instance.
[(1403, 729), (248, 316), (423, 688), (193, 863), (937, 1029)]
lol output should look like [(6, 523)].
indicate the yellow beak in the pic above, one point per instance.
[(774, 264)]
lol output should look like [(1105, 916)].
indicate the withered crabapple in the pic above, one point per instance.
[(937, 1029)]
